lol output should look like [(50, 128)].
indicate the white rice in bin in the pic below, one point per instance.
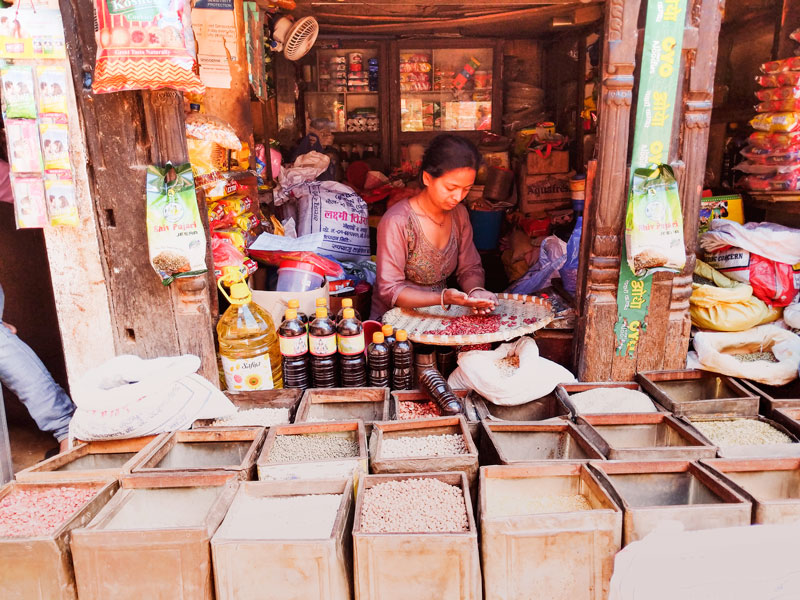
[(612, 400), (281, 517)]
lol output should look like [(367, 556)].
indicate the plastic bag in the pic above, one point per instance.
[(779, 66), (29, 203), (552, 256), (786, 92), (211, 129), (129, 397), (777, 182), (62, 207), (654, 223), (768, 170), (715, 353), (206, 157), (776, 242), (776, 122), (17, 96), (780, 105), (779, 79), (144, 46), (307, 167), (569, 272), (771, 156), (52, 81), (791, 316), (175, 233), (772, 282), (775, 141), (535, 377)]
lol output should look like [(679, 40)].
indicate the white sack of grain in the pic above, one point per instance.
[(483, 371), (715, 352)]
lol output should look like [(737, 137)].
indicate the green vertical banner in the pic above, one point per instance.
[(655, 109)]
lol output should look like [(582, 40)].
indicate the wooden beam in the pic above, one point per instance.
[(790, 20), (371, 5)]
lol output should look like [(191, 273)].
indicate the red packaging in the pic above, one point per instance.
[(779, 79)]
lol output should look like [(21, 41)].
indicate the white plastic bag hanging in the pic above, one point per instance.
[(776, 242)]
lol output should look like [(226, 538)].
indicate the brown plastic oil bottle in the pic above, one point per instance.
[(295, 304), (402, 362), (352, 361), (346, 303), (378, 355), (440, 392), (293, 338), (322, 346)]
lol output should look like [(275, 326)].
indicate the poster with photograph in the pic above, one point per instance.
[(51, 83), (55, 146), (17, 92), (32, 29), (24, 151), (29, 204), (61, 203)]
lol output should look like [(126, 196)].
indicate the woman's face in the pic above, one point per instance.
[(449, 189)]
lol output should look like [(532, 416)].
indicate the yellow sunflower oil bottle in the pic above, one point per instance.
[(248, 344)]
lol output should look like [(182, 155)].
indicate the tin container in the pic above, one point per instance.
[(511, 443), (283, 398), (198, 456), (333, 468), (567, 555), (547, 407), (651, 436), (771, 484), (789, 417), (398, 566), (40, 568), (151, 543), (564, 391), (344, 404), (244, 567), (694, 392), (676, 490), (92, 461), (467, 397), (773, 397), (747, 451)]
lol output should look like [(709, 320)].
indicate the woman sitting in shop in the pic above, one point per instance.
[(424, 240)]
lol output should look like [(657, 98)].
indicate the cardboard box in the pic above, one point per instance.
[(541, 162), (540, 193), (276, 303)]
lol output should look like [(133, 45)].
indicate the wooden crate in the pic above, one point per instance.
[(191, 457), (564, 391), (40, 568), (468, 463), (567, 555), (309, 568), (513, 443), (92, 461), (467, 397), (397, 566), (344, 404), (333, 468), (693, 392), (151, 543), (283, 398)]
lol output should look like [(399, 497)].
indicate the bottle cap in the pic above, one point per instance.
[(348, 313), (377, 337), (291, 314), (240, 293), (347, 303), (387, 330), (322, 312), (295, 304), (322, 302), (402, 336)]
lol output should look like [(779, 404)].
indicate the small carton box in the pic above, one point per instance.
[(540, 193), (541, 161)]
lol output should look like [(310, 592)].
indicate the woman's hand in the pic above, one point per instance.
[(487, 296), (480, 306)]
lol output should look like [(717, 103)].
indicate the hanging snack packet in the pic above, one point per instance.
[(776, 122), (61, 203), (654, 223), (780, 66), (55, 146), (144, 45), (52, 85), (29, 206), (175, 233), (24, 151), (18, 98), (779, 93), (783, 105)]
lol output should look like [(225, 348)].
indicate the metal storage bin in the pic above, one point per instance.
[(344, 404), (510, 443), (398, 566), (92, 461), (564, 391), (244, 567), (751, 450), (656, 491), (548, 407), (321, 468), (644, 436), (694, 392), (773, 397), (398, 397), (789, 417), (40, 568), (282, 398), (565, 555), (771, 484)]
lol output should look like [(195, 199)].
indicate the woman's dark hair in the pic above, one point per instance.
[(448, 152)]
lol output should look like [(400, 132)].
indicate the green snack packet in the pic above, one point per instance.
[(19, 101)]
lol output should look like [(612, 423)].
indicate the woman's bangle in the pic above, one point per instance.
[(469, 293), (441, 300)]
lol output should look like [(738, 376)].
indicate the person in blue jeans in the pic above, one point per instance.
[(23, 373)]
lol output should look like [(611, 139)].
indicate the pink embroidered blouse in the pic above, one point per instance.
[(407, 259)]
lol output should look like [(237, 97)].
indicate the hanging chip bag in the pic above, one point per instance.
[(18, 99), (61, 204), (24, 151), (55, 146), (29, 205), (52, 85), (654, 223), (175, 234), (144, 45)]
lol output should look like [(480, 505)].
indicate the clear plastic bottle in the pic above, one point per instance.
[(402, 362), (293, 337), (295, 304), (352, 361), (378, 355), (248, 344), (322, 346), (346, 303)]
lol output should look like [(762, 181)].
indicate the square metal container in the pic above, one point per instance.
[(282, 398), (467, 397), (773, 397), (748, 451), (92, 461), (344, 404), (547, 407), (199, 456), (694, 392), (151, 543), (40, 568), (289, 568), (644, 436), (789, 417), (655, 491), (560, 555), (564, 391), (399, 566), (506, 443), (771, 484), (322, 468)]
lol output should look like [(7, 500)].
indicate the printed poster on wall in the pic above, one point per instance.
[(254, 29), (214, 25), (31, 29)]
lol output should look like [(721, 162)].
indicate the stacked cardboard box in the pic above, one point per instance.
[(544, 182)]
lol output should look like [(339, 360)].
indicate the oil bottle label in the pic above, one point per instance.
[(248, 374), (351, 344), (293, 346), (322, 346)]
